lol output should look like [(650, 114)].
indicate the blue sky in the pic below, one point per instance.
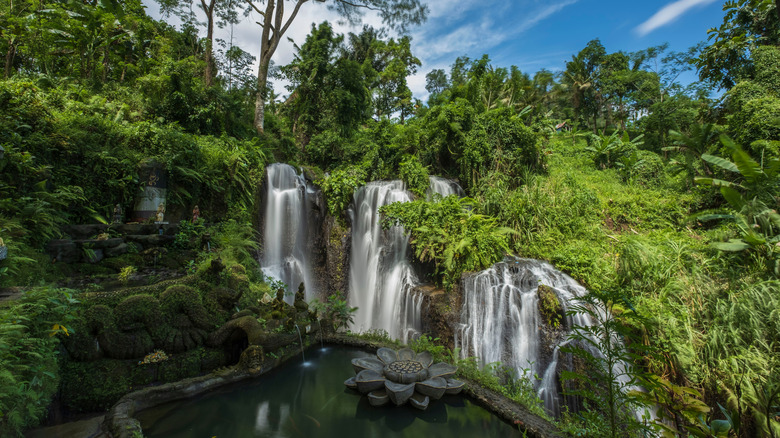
[(531, 34)]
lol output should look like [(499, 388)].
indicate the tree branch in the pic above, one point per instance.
[(292, 17), (369, 7)]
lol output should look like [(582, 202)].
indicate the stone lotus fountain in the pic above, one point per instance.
[(401, 376)]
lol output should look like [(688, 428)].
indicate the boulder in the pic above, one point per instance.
[(93, 255), (116, 251)]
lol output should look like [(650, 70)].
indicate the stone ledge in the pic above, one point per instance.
[(120, 420)]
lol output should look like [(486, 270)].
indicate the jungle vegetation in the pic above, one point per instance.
[(663, 197)]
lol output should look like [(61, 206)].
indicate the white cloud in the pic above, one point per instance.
[(454, 27), (668, 14)]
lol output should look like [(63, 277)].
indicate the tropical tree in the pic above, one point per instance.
[(398, 14), (747, 24)]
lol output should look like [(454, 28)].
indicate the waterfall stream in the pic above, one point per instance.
[(288, 230), (381, 277), (500, 320), (444, 187)]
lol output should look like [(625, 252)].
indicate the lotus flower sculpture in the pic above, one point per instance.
[(401, 376)]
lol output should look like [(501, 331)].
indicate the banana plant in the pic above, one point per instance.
[(691, 146), (747, 195), (607, 150)]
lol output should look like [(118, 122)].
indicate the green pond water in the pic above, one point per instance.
[(310, 400)]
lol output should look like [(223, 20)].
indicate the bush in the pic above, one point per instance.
[(414, 175), (339, 187), (30, 331)]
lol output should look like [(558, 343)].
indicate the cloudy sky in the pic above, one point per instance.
[(532, 34)]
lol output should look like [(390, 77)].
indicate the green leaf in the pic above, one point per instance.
[(733, 197), (733, 245), (720, 162)]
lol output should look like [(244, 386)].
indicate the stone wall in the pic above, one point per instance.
[(93, 243)]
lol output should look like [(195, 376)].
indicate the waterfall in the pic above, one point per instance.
[(444, 187), (289, 230), (500, 321), (381, 278)]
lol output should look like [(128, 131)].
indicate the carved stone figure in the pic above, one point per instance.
[(160, 212)]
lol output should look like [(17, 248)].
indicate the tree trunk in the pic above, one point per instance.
[(209, 55), (262, 81), (9, 59), (274, 28)]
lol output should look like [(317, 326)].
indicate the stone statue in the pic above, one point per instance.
[(195, 214), (160, 212), (117, 214), (300, 299)]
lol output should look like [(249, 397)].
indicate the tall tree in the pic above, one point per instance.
[(398, 14), (217, 12), (746, 25)]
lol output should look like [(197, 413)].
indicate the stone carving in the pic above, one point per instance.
[(117, 214), (403, 376), (160, 212)]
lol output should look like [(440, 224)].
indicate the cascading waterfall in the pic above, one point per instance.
[(500, 320), (381, 278), (286, 256), (444, 187)]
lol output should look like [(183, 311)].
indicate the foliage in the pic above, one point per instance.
[(607, 382), (30, 331), (414, 175), (615, 150), (125, 274), (747, 24), (339, 186), (339, 312), (449, 234)]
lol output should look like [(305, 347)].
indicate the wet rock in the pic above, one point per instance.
[(252, 358), (148, 240), (100, 244), (93, 255)]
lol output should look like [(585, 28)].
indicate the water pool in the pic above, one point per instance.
[(310, 400)]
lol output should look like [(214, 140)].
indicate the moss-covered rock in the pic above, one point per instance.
[(550, 307), (138, 311), (180, 299)]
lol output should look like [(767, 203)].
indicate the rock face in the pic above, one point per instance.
[(89, 243), (335, 270), (439, 313)]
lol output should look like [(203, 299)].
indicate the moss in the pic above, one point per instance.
[(180, 366), (94, 386), (119, 262), (549, 306), (141, 309), (98, 318), (180, 299)]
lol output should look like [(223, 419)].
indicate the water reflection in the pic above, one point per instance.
[(298, 401)]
